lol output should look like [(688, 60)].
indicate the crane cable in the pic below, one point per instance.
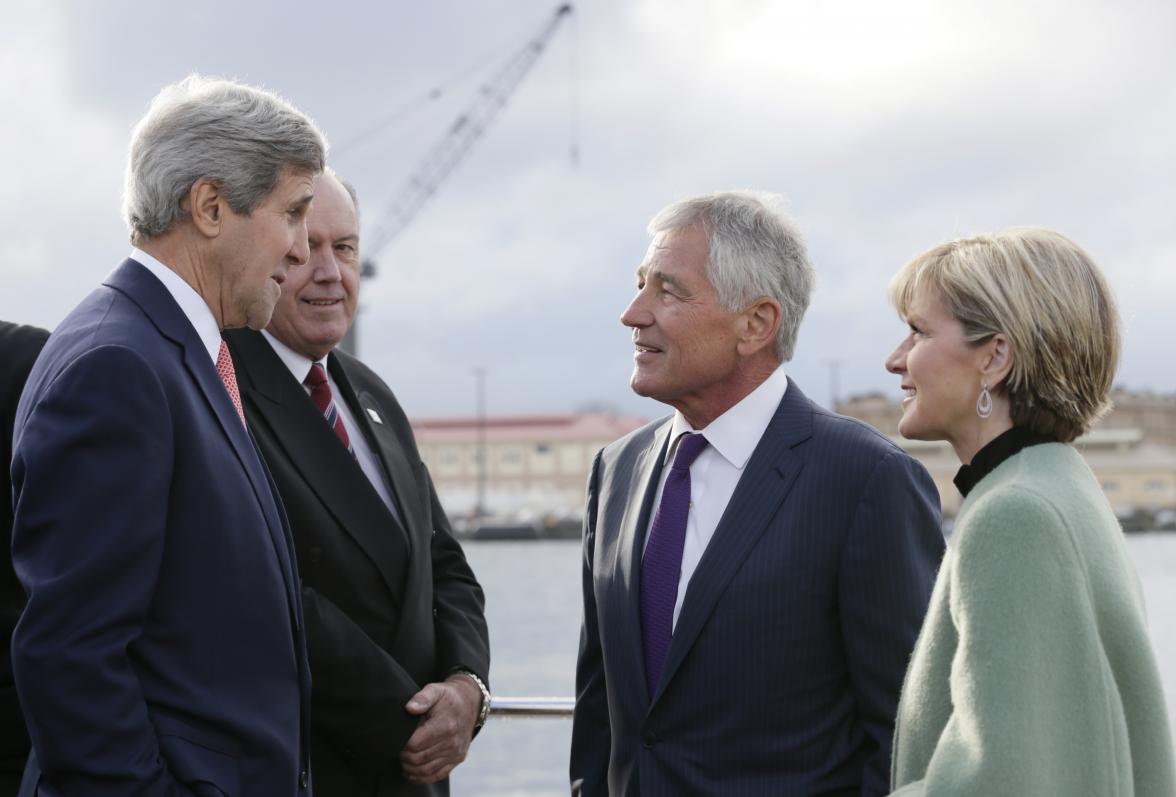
[(427, 98), (574, 93), (463, 132)]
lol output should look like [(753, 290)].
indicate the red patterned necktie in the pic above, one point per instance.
[(320, 394), (228, 375), (661, 566)]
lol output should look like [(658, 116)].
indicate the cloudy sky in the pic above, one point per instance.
[(889, 126)]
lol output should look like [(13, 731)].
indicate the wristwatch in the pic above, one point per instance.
[(484, 708)]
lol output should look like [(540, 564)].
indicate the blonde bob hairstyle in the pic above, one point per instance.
[(1046, 295)]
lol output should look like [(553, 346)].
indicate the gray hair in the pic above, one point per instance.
[(237, 136), (756, 250), (347, 186)]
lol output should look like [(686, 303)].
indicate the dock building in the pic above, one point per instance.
[(537, 465)]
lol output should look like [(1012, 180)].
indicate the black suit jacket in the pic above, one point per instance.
[(784, 669), (19, 347), (389, 607)]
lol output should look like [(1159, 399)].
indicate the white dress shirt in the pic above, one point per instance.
[(299, 366), (192, 304), (732, 438)]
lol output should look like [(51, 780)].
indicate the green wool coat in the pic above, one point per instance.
[(1033, 674)]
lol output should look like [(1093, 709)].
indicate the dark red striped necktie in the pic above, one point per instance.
[(320, 394)]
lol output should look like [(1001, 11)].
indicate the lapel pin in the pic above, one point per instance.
[(375, 416)]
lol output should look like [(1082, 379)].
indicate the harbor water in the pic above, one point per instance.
[(533, 608)]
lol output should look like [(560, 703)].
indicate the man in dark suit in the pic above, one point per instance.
[(161, 650), (756, 568), (19, 347), (394, 616)]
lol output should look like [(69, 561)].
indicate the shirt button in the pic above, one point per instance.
[(303, 779)]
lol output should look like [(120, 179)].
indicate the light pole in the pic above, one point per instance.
[(834, 387), (480, 503)]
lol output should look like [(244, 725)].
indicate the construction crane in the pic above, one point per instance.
[(465, 130)]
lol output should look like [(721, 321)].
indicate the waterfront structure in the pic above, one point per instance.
[(536, 466), (1132, 450)]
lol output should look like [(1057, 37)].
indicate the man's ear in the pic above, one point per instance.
[(997, 361), (758, 325), (206, 206)]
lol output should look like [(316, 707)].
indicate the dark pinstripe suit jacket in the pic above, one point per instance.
[(783, 674), (19, 347)]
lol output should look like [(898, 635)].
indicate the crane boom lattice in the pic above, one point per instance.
[(463, 132)]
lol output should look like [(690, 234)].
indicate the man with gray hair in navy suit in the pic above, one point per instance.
[(756, 568), (162, 649)]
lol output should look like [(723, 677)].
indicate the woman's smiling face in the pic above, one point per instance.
[(941, 374)]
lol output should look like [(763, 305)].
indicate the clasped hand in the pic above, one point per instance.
[(448, 712)]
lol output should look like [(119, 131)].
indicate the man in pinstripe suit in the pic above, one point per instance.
[(756, 568)]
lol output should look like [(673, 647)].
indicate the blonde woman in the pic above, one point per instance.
[(1033, 673)]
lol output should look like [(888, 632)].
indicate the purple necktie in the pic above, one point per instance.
[(661, 567)]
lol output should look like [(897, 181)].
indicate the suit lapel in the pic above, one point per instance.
[(411, 499), (152, 297), (314, 450), (644, 478), (388, 449), (762, 489)]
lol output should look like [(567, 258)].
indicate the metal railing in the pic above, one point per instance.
[(531, 707)]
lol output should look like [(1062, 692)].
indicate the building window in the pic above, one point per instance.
[(450, 455), (510, 455), (1157, 486), (571, 459), (542, 448)]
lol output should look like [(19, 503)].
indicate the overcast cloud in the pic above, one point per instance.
[(890, 127)]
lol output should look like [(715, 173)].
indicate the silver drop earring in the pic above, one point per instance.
[(984, 401)]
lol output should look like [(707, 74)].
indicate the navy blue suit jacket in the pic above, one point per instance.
[(161, 649), (784, 669)]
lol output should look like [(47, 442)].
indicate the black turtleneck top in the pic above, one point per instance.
[(997, 451)]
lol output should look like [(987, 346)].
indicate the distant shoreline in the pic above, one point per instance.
[(527, 533)]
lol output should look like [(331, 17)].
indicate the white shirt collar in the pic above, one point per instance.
[(737, 432), (299, 364), (192, 304)]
